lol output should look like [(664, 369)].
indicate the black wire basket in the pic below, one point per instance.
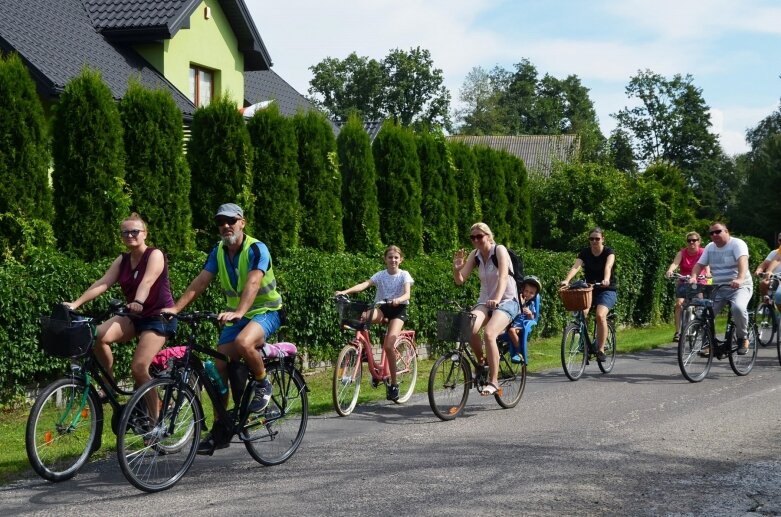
[(68, 339), (454, 326)]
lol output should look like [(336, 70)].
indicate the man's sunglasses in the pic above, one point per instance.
[(715, 232), (230, 221)]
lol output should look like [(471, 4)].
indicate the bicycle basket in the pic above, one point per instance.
[(61, 338), (576, 299), (352, 313), (454, 326)]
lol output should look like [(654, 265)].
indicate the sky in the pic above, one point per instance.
[(731, 48)]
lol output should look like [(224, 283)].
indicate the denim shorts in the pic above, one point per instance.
[(156, 324), (604, 297), (270, 322), (510, 307)]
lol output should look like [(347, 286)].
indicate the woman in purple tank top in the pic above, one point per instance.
[(142, 273)]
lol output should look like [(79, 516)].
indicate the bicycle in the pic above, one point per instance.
[(156, 452), (688, 310), (577, 344), (698, 343), (767, 315), (451, 377), (354, 317), (65, 425)]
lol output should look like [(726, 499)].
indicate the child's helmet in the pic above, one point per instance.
[(533, 280)]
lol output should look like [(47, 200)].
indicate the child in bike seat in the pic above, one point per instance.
[(392, 297), (523, 323)]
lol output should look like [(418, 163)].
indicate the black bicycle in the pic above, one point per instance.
[(698, 344), (65, 425), (160, 445), (767, 315), (451, 376)]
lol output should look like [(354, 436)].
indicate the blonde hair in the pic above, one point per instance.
[(693, 234), (485, 229), (393, 248), (135, 217)]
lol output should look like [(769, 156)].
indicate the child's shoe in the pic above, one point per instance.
[(516, 359)]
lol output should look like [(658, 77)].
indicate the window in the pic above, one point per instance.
[(201, 86)]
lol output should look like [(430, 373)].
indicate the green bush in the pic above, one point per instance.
[(21, 236)]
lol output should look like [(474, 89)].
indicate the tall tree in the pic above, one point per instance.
[(518, 207), (438, 206), (403, 86), (493, 195), (89, 175), (398, 188), (155, 166), (361, 219), (220, 157), (757, 211), (275, 170), (480, 95), (467, 179)]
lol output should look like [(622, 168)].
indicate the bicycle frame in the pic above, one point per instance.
[(379, 370)]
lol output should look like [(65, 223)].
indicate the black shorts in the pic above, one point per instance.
[(399, 312), (156, 324)]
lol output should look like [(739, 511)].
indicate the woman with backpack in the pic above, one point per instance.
[(497, 303)]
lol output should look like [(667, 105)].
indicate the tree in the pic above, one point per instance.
[(320, 183), (438, 206), (403, 86), (155, 167), (275, 170), (220, 158), (757, 210), (467, 189), (89, 174), (518, 207), (493, 196), (620, 152), (480, 95), (24, 145), (767, 127), (361, 219), (398, 188)]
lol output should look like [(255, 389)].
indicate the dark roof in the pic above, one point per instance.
[(264, 85), (538, 152)]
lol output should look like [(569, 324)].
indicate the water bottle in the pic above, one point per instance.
[(214, 375)]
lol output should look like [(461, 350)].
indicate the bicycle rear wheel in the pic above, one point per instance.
[(573, 352), (273, 435), (610, 350), (347, 380), (512, 381), (406, 368), (448, 385), (63, 428), (766, 324), (743, 364), (159, 446), (694, 351)]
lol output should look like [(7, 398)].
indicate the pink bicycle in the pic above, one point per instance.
[(355, 316)]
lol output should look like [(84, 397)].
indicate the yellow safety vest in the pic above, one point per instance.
[(267, 299)]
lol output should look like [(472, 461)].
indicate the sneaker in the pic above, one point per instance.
[(676, 337), (263, 391), (705, 352), (516, 359), (393, 392), (743, 350), (601, 357), (209, 445)]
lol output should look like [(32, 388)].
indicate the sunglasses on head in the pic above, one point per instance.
[(691, 240), (230, 221), (477, 237), (130, 233), (715, 232)]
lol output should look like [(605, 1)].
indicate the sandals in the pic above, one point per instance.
[(489, 389), (676, 337)]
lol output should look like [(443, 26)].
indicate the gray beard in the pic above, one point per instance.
[(231, 240)]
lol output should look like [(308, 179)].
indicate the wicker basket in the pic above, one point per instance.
[(576, 299), (69, 339), (454, 326)]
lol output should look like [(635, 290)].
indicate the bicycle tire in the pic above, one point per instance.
[(346, 387), (695, 356), (573, 352), (63, 429), (766, 323), (406, 368), (743, 364), (610, 350), (154, 456), (512, 381), (273, 435), (448, 385)]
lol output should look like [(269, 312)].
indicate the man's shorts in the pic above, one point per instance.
[(156, 324), (270, 322)]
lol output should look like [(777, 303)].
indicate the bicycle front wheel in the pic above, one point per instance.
[(694, 351), (512, 381), (610, 350), (274, 434), (159, 446), (406, 368), (743, 364), (448, 385), (347, 380), (766, 324), (62, 429), (573, 352)]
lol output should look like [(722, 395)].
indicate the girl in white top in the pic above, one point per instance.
[(393, 293), (497, 304)]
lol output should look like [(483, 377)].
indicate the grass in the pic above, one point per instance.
[(544, 354)]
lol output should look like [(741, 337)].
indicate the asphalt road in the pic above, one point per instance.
[(639, 441)]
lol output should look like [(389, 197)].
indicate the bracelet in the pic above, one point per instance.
[(139, 302)]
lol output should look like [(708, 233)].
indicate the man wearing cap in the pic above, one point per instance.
[(243, 266)]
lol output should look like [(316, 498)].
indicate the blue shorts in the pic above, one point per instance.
[(268, 320), (510, 307), (156, 324), (604, 297)]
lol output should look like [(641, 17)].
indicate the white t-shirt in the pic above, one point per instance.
[(723, 261), (390, 286), (770, 258)]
